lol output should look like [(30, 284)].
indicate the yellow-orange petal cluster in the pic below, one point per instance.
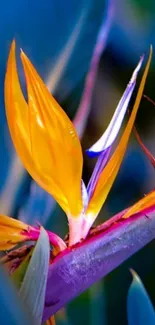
[(43, 136), (12, 232)]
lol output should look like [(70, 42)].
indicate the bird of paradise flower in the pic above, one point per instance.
[(47, 143)]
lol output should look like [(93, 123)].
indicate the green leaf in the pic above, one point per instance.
[(139, 306), (32, 291)]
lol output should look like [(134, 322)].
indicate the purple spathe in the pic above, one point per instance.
[(78, 268)]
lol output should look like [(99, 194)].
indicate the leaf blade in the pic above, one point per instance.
[(139, 307), (32, 291)]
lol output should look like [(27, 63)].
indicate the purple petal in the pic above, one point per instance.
[(101, 162), (78, 268), (113, 128), (85, 104)]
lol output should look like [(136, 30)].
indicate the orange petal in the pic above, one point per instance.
[(44, 137), (17, 111), (11, 232), (109, 173), (51, 321), (146, 203)]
